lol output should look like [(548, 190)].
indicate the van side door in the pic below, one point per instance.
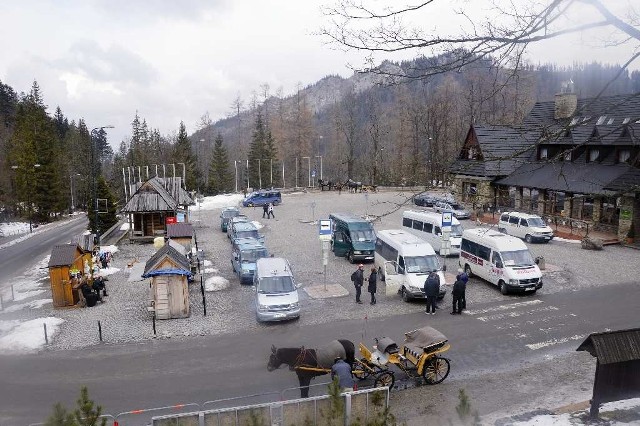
[(339, 243), (393, 278), (497, 267), (513, 228)]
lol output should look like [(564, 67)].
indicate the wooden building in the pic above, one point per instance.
[(169, 272), (153, 202), (617, 356), (64, 260), (572, 161), (182, 233)]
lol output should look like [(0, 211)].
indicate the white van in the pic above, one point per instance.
[(501, 259), (276, 291), (404, 261), (428, 225), (530, 227)]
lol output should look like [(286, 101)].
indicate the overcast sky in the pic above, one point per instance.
[(173, 60)]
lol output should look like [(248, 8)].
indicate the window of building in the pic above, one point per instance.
[(543, 153), (624, 155), (567, 155), (594, 154), (626, 120)]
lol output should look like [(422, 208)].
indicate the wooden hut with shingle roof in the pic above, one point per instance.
[(153, 202), (65, 260)]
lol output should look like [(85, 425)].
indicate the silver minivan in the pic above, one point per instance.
[(276, 292)]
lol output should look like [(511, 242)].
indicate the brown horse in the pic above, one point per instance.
[(302, 357)]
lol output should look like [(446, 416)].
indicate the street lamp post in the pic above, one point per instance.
[(320, 156), (95, 229), (308, 170), (29, 206), (73, 205), (235, 167)]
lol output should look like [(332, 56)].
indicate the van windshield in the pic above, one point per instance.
[(421, 264), (517, 258), (253, 255), (270, 285), (248, 234), (537, 222), (363, 235), (456, 230)]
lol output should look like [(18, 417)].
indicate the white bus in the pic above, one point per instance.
[(404, 261), (501, 259), (428, 225)]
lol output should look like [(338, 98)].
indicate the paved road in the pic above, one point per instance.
[(493, 336), (17, 258)]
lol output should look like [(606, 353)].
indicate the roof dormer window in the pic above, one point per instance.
[(543, 153), (574, 121), (601, 120), (624, 155), (626, 120), (594, 155), (610, 122)]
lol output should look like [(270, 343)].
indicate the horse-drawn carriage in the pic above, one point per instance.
[(418, 357)]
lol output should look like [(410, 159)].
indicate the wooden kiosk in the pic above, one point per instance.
[(65, 260)]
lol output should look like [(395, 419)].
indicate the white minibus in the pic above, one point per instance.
[(404, 261), (428, 225), (501, 259)]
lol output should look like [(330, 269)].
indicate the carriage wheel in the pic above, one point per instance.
[(386, 378), (436, 370), (359, 372)]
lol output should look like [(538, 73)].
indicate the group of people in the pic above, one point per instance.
[(267, 209), (357, 277), (95, 292), (431, 289)]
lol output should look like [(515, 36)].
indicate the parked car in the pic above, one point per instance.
[(238, 219), (226, 215), (428, 199), (260, 198), (244, 255), (245, 230), (276, 297), (456, 209), (530, 227)]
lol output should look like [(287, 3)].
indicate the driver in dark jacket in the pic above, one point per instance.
[(431, 291), (342, 371)]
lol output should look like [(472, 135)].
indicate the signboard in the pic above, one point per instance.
[(171, 220), (181, 217), (313, 173), (324, 229), (446, 218)]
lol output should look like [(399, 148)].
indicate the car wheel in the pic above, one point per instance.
[(503, 287), (380, 273), (504, 231), (528, 238), (467, 270), (350, 257), (405, 295)]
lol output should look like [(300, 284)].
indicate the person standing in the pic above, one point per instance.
[(358, 279), (458, 295), (373, 278), (265, 210), (431, 291), (342, 371), (270, 211), (463, 303)]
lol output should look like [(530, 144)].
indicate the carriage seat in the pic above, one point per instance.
[(386, 345), (417, 351)]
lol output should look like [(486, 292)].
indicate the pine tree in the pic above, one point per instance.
[(183, 154), (220, 180), (60, 417), (86, 414), (108, 219), (257, 153)]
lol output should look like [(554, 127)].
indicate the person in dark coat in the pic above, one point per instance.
[(431, 291), (464, 277), (373, 278), (358, 279), (265, 210), (342, 371), (458, 294)]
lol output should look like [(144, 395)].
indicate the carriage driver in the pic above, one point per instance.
[(342, 370)]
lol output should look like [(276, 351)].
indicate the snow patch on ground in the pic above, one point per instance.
[(216, 284), (35, 304), (29, 336)]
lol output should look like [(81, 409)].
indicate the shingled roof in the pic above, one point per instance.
[(179, 230), (502, 149), (63, 255), (154, 196), (166, 251), (613, 346)]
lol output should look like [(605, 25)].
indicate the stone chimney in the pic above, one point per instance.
[(566, 101)]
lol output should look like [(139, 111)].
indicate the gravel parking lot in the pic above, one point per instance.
[(293, 235)]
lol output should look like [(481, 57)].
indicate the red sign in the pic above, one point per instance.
[(171, 220)]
